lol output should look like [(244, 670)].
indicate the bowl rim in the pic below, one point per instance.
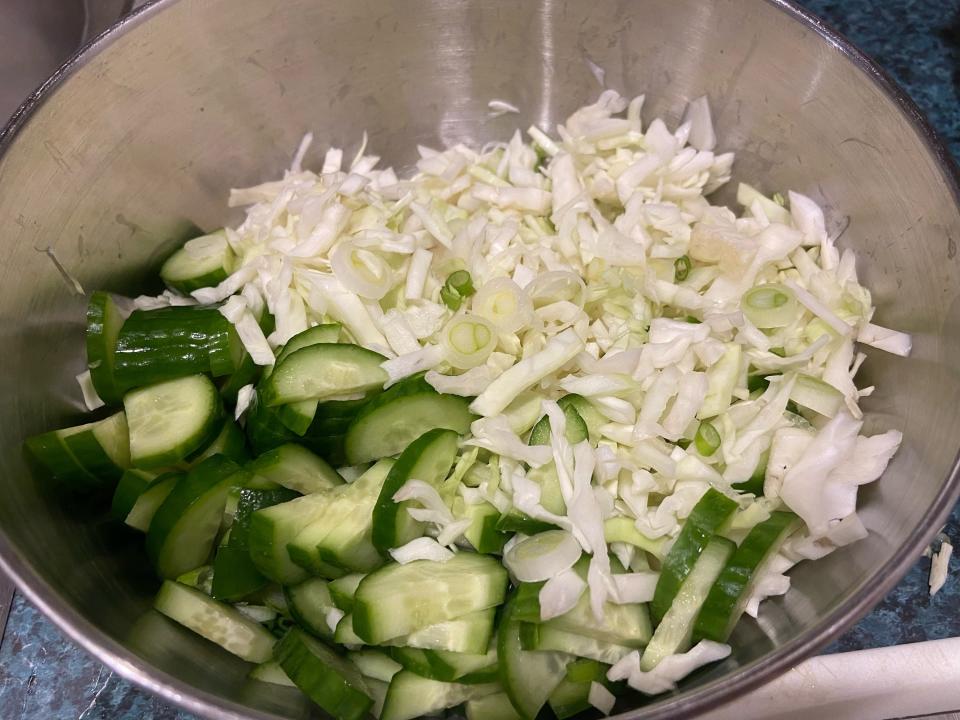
[(742, 680)]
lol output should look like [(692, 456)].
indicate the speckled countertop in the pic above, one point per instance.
[(44, 676)]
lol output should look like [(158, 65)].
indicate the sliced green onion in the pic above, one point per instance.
[(779, 199), (707, 439), (361, 271), (505, 304), (769, 306), (459, 285), (681, 268), (468, 340)]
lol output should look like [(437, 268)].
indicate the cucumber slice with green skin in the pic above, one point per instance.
[(229, 442), (296, 468), (330, 448), (103, 448), (412, 696), (246, 374), (623, 529), (468, 634), (576, 428), (331, 681), (298, 416), (401, 599), (235, 576), (496, 706), (183, 531), (428, 459), (586, 671), (265, 431), (414, 659), (341, 535), (171, 420), (375, 664), (215, 621), (482, 533), (546, 637), (710, 512), (627, 625), (200, 578), (728, 597), (271, 672), (309, 603), (587, 412), (514, 521), (50, 452), (150, 500), (378, 691), (675, 631), (318, 334), (327, 426), (322, 371), (343, 589), (394, 419), (271, 529), (529, 678), (344, 633), (131, 486), (104, 320), (204, 261), (571, 698), (172, 342), (467, 668), (341, 409)]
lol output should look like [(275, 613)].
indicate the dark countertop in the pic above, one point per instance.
[(43, 675)]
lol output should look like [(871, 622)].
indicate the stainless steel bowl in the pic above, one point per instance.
[(140, 137)]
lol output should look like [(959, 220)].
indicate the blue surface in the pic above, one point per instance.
[(42, 675)]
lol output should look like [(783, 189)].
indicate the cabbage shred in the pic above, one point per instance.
[(601, 268)]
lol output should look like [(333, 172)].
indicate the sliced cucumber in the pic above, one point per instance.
[(529, 678), (576, 428), (171, 420), (101, 448), (131, 486), (229, 442), (298, 417), (50, 452), (247, 374), (514, 521), (341, 534), (215, 621), (587, 412), (623, 529), (343, 589), (728, 597), (271, 672), (547, 637), (483, 533), (464, 667), (265, 430), (375, 664), (318, 334), (331, 681), (401, 599), (496, 706), (322, 371), (414, 660), (309, 604), (344, 633), (150, 500), (469, 634), (104, 320), (572, 696), (391, 421), (675, 630), (235, 576), (204, 261), (296, 468), (428, 459), (172, 342), (710, 512), (185, 526), (271, 529), (412, 696)]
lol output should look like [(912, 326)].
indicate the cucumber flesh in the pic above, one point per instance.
[(309, 604), (397, 417), (271, 529), (296, 468), (150, 500), (50, 452), (325, 333), (728, 597), (401, 599), (710, 512), (675, 631), (131, 486), (343, 589), (229, 442), (469, 634), (171, 420), (428, 459), (496, 706), (375, 664), (183, 531), (271, 672), (204, 261), (322, 371), (331, 681), (577, 430), (412, 696), (546, 637), (104, 320), (529, 678), (101, 448), (215, 621), (483, 533)]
